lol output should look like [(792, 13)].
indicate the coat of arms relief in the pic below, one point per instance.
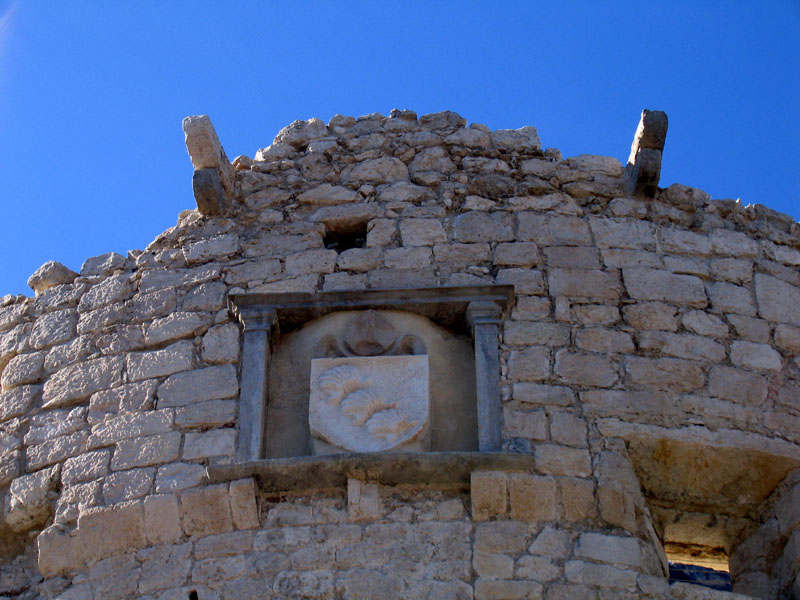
[(369, 390)]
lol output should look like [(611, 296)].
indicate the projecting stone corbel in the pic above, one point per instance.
[(212, 181), (644, 163)]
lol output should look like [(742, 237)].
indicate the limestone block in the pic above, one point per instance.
[(244, 510), (73, 384), (546, 395), (507, 589), (311, 261), (530, 364), (55, 450), (551, 542), (360, 260), (178, 477), (96, 320), (221, 344), (623, 233), (104, 264), (376, 171), (175, 326), (129, 397), (305, 283), (594, 314), (755, 356), (162, 523), (730, 298), (518, 254), (368, 404), (51, 424), (164, 567), (582, 283), (202, 415), (469, 137), (532, 498), (363, 501), (524, 333), (651, 284), (257, 270), (553, 230), (403, 191), (130, 425), (85, 467), (577, 257), (703, 323), (524, 139), (500, 536), (606, 341), (680, 241), (646, 316), (538, 568), (53, 328), (12, 342), (30, 497), (407, 258), (431, 159), (10, 462), (206, 511), (738, 386), (214, 248), (23, 369), (616, 508), (478, 226), (733, 243), (669, 374), (328, 195), (568, 429), (732, 269), (216, 442), (69, 353), (585, 369), (203, 144), (381, 232), (577, 571), (146, 451), (200, 385), (777, 299), (344, 281), (300, 134), (50, 274), (787, 338), (224, 544), (105, 531), (158, 363), (206, 296), (682, 345), (496, 566), (609, 549), (489, 494), (528, 424), (421, 232), (112, 290), (58, 552), (562, 460)]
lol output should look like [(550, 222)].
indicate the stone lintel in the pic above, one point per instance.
[(387, 468), (446, 306)]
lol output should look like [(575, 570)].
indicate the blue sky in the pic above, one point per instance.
[(92, 95)]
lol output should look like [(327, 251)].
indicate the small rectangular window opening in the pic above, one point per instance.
[(341, 239)]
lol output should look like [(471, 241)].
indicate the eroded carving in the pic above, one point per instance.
[(370, 404)]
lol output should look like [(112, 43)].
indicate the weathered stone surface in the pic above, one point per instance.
[(127, 485), (221, 344), (243, 504), (16, 402), (562, 460), (478, 226), (130, 425), (206, 511), (213, 248), (50, 274), (582, 283), (682, 345), (755, 356), (217, 442), (523, 139), (377, 171), (584, 369), (157, 363), (23, 369), (777, 300), (669, 374), (124, 519), (532, 498), (211, 383), (77, 382), (727, 297), (609, 549), (146, 451), (488, 493), (178, 477), (29, 500), (300, 133), (651, 284)]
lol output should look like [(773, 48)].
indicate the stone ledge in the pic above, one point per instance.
[(284, 474)]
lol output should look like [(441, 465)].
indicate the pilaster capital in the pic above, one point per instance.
[(483, 312)]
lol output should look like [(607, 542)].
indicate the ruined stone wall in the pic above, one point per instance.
[(648, 366)]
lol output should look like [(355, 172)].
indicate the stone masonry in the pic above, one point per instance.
[(649, 374)]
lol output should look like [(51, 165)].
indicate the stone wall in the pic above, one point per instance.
[(648, 366)]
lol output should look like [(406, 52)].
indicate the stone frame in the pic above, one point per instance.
[(478, 309)]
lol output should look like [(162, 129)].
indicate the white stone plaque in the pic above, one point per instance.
[(369, 404)]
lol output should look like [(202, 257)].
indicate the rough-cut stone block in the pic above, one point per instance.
[(524, 139), (16, 402), (162, 523), (202, 415), (532, 498), (176, 326), (243, 504), (500, 536), (206, 511), (28, 500), (582, 283), (562, 460), (478, 226), (530, 364), (50, 274), (737, 386), (577, 498), (528, 424), (553, 230), (652, 284), (623, 233), (651, 316), (216, 442), (76, 382), (311, 261), (777, 299), (609, 549), (214, 248), (127, 485), (488, 492), (584, 369), (524, 333), (507, 589), (179, 476), (730, 298), (682, 345), (669, 374), (53, 328), (685, 242), (146, 451), (58, 552), (568, 429), (787, 338), (704, 323), (761, 357), (88, 466), (421, 232), (23, 369), (524, 281), (616, 508), (377, 170), (363, 501), (105, 531), (733, 243), (157, 363), (546, 395), (130, 425), (407, 258), (189, 387), (589, 574)]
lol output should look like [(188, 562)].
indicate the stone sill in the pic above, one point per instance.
[(388, 468)]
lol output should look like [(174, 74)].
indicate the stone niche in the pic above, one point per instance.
[(370, 371)]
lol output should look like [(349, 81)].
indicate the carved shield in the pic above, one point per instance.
[(369, 404)]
